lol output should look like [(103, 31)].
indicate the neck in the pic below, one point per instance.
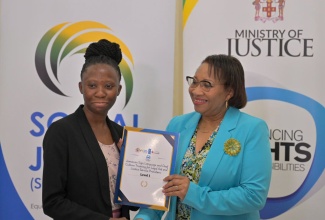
[(95, 119), (212, 119), (208, 126), (210, 123)]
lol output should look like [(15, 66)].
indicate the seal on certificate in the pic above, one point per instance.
[(144, 183)]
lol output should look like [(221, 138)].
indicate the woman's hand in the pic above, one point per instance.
[(119, 144), (177, 186)]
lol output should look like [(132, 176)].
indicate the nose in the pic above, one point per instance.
[(196, 90), (100, 91)]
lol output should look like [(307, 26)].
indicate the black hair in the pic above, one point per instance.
[(230, 72), (105, 52)]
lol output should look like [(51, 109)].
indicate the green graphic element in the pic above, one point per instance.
[(77, 36)]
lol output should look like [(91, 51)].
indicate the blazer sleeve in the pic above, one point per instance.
[(149, 214), (251, 192)]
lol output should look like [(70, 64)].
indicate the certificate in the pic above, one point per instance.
[(146, 158)]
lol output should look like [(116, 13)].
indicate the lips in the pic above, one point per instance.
[(199, 101), (99, 104)]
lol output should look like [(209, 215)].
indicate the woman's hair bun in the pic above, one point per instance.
[(104, 48)]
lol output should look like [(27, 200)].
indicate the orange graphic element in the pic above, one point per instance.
[(269, 9)]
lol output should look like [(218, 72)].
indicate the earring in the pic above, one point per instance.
[(226, 104)]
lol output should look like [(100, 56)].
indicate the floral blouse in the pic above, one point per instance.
[(112, 157), (191, 167)]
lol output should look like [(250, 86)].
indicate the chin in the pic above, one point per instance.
[(198, 110)]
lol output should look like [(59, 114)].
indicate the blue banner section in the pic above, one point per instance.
[(277, 206), (11, 206)]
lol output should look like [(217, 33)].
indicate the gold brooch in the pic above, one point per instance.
[(232, 147)]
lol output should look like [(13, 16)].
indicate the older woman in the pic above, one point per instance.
[(224, 158)]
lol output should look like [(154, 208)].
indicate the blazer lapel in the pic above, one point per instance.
[(185, 139), (216, 151), (96, 152), (113, 130)]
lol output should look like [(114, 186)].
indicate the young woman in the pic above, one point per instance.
[(80, 151)]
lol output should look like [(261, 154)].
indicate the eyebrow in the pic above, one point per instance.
[(205, 80)]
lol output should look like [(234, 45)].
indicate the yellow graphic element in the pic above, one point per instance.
[(232, 147), (187, 9), (81, 26), (99, 35)]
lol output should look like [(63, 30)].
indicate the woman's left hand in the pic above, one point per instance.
[(177, 186)]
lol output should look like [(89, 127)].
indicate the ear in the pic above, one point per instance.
[(119, 90), (80, 87), (230, 94)]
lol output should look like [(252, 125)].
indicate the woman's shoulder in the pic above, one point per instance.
[(246, 117), (238, 118), (65, 123), (185, 117), (180, 122), (251, 122)]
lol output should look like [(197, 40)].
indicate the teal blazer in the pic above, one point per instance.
[(230, 187)]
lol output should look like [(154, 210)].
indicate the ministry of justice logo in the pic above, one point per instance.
[(269, 10), (67, 39)]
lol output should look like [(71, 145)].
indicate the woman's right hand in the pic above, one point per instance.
[(176, 185), (119, 145)]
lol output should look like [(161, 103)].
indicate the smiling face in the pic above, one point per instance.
[(100, 87), (213, 102)]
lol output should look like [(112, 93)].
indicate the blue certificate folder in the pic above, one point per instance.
[(147, 156)]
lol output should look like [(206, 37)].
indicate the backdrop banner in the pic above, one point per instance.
[(280, 44), (41, 49)]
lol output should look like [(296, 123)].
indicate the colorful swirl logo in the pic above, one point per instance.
[(188, 6), (67, 39)]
